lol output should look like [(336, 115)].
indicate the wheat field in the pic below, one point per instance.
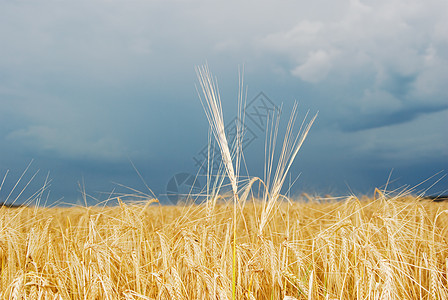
[(237, 244), (384, 248)]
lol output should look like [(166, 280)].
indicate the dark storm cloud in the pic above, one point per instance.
[(85, 86), (361, 122)]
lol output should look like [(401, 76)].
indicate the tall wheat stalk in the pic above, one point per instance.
[(213, 111), (291, 146)]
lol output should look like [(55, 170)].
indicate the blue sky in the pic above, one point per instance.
[(88, 86)]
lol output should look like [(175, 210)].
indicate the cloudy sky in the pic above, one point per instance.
[(87, 87)]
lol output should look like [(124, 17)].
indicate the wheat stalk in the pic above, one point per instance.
[(291, 146), (215, 118)]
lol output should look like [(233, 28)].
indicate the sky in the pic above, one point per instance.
[(100, 95)]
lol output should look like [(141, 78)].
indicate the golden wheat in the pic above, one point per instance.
[(386, 248)]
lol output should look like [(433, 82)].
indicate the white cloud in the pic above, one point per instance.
[(430, 83), (381, 32), (315, 68), (292, 41), (385, 56)]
